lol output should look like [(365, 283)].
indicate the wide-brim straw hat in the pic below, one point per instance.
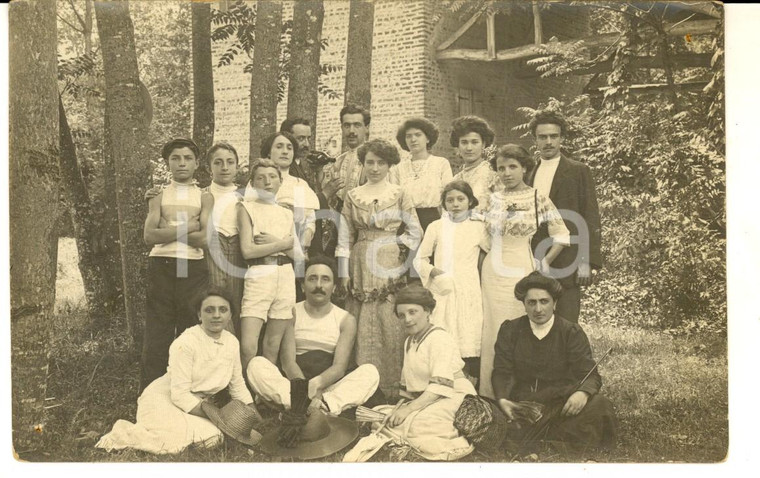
[(322, 435), (236, 420)]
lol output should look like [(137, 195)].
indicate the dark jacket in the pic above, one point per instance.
[(573, 189), (545, 370)]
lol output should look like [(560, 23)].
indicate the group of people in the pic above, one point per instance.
[(371, 277)]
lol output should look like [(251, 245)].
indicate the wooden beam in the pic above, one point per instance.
[(656, 88), (538, 31), (526, 51), (682, 60), (461, 31), (491, 36)]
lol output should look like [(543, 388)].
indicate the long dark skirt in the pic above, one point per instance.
[(594, 427)]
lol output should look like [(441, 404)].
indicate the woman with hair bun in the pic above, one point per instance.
[(432, 378), (471, 135), (424, 176), (379, 226), (513, 216)]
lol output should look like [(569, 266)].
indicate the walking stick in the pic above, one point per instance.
[(543, 426)]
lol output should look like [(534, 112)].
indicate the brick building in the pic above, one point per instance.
[(413, 76)]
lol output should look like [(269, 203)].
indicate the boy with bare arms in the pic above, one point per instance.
[(176, 228)]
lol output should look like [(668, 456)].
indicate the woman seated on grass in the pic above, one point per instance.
[(432, 376), (541, 357), (202, 361)]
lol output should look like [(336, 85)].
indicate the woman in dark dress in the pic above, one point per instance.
[(543, 358)]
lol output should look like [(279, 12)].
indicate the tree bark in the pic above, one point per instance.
[(33, 148), (100, 291), (358, 90), (265, 72), (305, 49), (127, 133), (203, 86)]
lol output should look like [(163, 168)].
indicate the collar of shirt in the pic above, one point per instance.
[(216, 188), (541, 331)]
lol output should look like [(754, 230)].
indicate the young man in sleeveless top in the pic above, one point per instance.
[(176, 228), (318, 348)]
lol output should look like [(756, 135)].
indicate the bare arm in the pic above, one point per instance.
[(153, 234), (199, 238), (248, 247), (288, 354), (426, 398)]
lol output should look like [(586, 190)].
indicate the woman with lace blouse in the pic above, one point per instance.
[(424, 175), (513, 215), (378, 227)]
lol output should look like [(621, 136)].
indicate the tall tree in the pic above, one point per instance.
[(266, 61), (33, 148), (93, 213), (358, 89), (203, 84), (126, 135), (305, 48)]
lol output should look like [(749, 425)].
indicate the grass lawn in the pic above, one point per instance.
[(670, 395)]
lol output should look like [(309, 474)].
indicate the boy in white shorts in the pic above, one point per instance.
[(267, 243)]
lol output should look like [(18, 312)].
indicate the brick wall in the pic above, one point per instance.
[(406, 78)]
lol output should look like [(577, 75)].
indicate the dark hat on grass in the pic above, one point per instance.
[(322, 435), (236, 419)]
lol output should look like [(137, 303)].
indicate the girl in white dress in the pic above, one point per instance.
[(454, 245), (513, 215)]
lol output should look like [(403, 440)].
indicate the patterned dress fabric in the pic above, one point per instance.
[(512, 218), (372, 226)]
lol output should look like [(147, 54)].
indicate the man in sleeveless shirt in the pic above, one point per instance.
[(318, 348), (177, 271)]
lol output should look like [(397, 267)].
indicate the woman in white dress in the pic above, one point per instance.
[(432, 377), (453, 244), (513, 215), (202, 361), (424, 175)]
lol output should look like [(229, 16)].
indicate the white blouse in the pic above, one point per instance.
[(423, 180), (432, 364), (200, 366)]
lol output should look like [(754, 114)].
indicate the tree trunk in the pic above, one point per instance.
[(266, 64), (98, 285), (305, 48), (127, 133), (33, 148), (358, 90), (203, 86)]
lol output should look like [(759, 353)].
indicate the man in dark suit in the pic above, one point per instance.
[(570, 186)]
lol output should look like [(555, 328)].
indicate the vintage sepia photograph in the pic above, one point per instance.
[(368, 231)]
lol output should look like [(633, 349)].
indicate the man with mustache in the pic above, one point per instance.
[(354, 123), (318, 348), (570, 186)]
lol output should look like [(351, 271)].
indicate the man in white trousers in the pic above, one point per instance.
[(318, 348)]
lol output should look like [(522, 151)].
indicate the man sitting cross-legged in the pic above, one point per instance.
[(318, 348)]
